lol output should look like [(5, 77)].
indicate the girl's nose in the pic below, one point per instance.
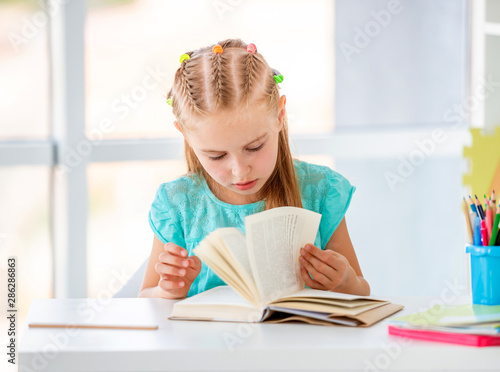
[(240, 168)]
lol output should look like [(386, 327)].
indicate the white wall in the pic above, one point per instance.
[(405, 83)]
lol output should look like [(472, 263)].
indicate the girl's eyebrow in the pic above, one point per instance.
[(255, 140)]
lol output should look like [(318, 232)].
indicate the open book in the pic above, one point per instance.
[(263, 274)]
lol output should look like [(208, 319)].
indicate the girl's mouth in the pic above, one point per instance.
[(245, 186)]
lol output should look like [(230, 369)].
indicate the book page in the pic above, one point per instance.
[(308, 316), (327, 308), (221, 295), (220, 303), (274, 239), (217, 261), (308, 293), (315, 300), (235, 249)]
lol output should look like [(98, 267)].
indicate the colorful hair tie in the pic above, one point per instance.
[(217, 49), (169, 101), (251, 48), (278, 78), (184, 57)]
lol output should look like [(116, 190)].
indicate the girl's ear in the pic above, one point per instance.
[(282, 110), (179, 128), (176, 124), (282, 101)]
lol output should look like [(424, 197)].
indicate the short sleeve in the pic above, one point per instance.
[(161, 221), (337, 197)]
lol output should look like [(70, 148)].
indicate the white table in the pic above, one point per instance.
[(217, 346)]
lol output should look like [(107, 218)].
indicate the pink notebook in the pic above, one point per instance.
[(454, 338)]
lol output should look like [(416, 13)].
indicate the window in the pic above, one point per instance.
[(130, 66), (109, 123), (24, 174), (24, 92)]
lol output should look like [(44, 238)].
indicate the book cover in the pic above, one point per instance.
[(448, 337)]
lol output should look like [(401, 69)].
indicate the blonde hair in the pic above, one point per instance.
[(233, 80)]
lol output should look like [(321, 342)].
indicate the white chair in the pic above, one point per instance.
[(133, 285)]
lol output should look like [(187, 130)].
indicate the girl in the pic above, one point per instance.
[(227, 105)]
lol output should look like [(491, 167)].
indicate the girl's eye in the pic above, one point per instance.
[(256, 148), (216, 157)]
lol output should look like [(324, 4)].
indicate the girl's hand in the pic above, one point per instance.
[(330, 270), (177, 271)]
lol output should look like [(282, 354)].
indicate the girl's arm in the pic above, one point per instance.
[(336, 268), (150, 286), (340, 242)]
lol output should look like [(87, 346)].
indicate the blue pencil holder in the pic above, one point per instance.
[(485, 274)]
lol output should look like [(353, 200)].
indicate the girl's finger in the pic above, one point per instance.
[(162, 268), (319, 265), (339, 264), (168, 285), (170, 259), (311, 283), (168, 277), (328, 256), (194, 262), (317, 275), (175, 249)]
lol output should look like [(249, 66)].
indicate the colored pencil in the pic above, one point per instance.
[(473, 206), (494, 234), (468, 221), (477, 231), (484, 234), (489, 222), (479, 208)]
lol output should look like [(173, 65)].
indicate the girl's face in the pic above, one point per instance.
[(238, 151)]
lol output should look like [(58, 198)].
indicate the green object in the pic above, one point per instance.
[(452, 315), (278, 78), (184, 57), (494, 233), (169, 101)]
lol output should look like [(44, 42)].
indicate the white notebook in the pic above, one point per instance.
[(118, 313)]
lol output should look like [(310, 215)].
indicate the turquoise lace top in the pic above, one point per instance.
[(185, 210)]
